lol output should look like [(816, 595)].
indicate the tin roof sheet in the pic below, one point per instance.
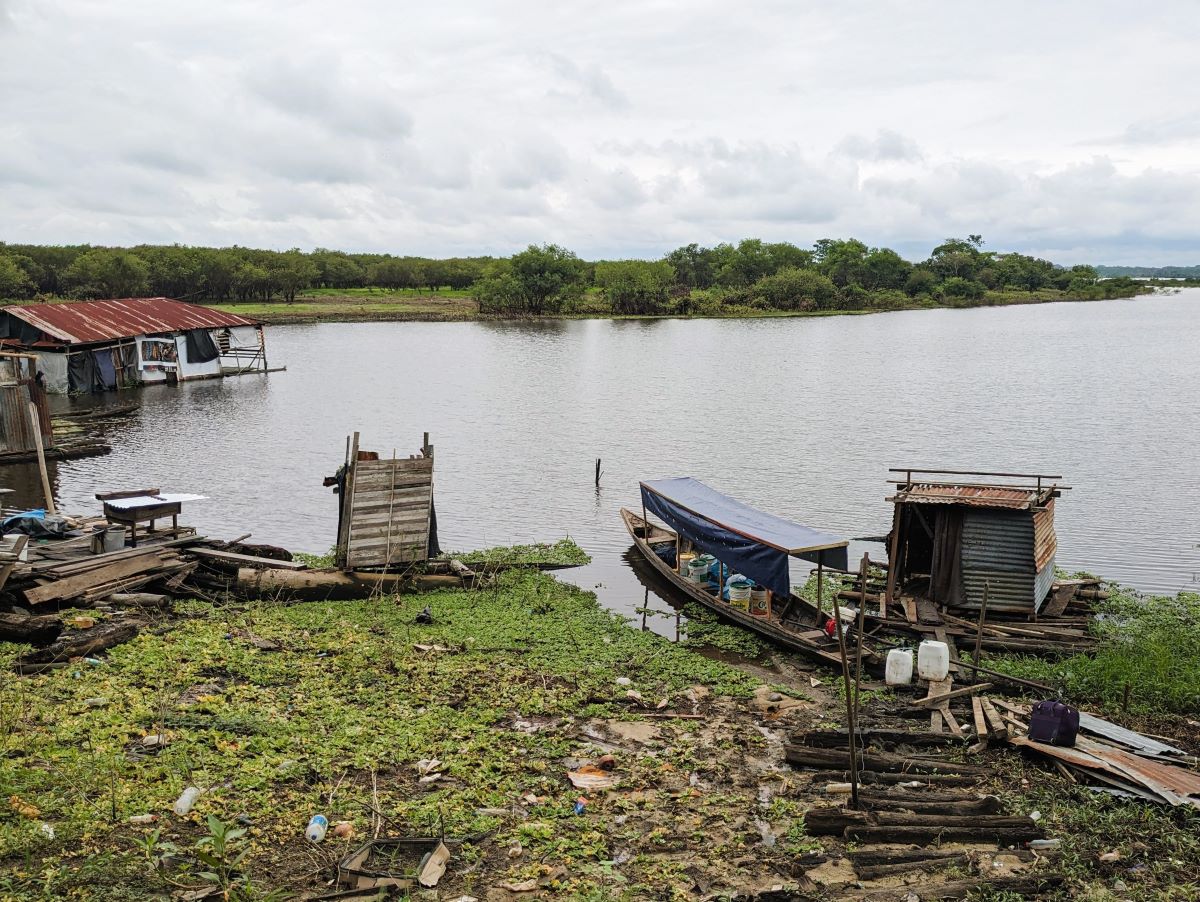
[(971, 495), (81, 322)]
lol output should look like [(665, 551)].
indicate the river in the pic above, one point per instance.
[(801, 417)]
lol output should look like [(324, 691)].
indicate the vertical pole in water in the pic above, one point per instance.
[(41, 457), (982, 618), (820, 585), (851, 738), (597, 472)]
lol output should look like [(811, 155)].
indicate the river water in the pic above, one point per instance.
[(801, 417)]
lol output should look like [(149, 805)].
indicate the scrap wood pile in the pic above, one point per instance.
[(1117, 760), (43, 581), (914, 800)]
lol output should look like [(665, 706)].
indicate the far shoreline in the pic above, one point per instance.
[(459, 309)]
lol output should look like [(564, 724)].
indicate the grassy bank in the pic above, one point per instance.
[(350, 709), (380, 305), (1149, 644)]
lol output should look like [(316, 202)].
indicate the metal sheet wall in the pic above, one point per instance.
[(997, 550)]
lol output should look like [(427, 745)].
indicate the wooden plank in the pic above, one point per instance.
[(981, 729), (248, 560), (382, 541), (951, 722), (995, 721), (386, 496), (935, 721), (77, 585), (6, 570), (939, 698)]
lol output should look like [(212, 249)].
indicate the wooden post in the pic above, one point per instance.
[(893, 563), (982, 618), (851, 737), (821, 584), (41, 456), (597, 472), (862, 613)]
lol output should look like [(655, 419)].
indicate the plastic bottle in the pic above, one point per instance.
[(143, 818), (899, 667), (1043, 844), (580, 805), (317, 825), (184, 803), (933, 660)]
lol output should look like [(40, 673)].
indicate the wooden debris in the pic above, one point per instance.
[(81, 644), (944, 697), (802, 756)]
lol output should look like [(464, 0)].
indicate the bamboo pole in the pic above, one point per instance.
[(862, 612), (851, 737), (41, 457)]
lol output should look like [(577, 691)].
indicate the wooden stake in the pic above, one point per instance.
[(851, 738), (982, 618), (862, 612), (820, 585), (597, 472), (41, 456)]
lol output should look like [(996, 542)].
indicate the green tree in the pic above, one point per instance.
[(14, 281), (958, 257), (337, 270), (694, 266), (842, 261), (884, 268), (108, 273), (796, 289), (636, 286), (956, 288), (547, 277), (291, 273), (920, 281)]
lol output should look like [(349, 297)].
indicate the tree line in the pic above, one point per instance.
[(83, 272), (834, 274)]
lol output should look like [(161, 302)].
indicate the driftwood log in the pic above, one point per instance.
[(1001, 835), (33, 629), (836, 739), (959, 889), (82, 643), (803, 756), (834, 821), (335, 585), (870, 777)]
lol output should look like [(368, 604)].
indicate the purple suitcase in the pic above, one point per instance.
[(1054, 723)]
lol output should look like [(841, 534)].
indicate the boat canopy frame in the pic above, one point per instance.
[(755, 543)]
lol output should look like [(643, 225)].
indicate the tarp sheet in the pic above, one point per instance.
[(753, 543)]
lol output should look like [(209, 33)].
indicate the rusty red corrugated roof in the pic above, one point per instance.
[(80, 322), (971, 495)]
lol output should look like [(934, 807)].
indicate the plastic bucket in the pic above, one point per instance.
[(685, 559), (739, 593), (760, 602), (697, 570)]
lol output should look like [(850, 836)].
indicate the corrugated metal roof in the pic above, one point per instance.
[(81, 322), (971, 495)]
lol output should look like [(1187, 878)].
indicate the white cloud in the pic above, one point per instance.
[(472, 128)]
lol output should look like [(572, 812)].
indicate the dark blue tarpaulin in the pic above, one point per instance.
[(753, 543)]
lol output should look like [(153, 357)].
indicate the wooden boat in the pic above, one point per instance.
[(793, 623)]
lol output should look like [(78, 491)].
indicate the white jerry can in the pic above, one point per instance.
[(899, 667), (933, 660)]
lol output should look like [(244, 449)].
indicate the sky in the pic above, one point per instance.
[(1070, 130)]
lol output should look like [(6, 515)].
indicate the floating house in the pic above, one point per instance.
[(94, 346), (953, 540)]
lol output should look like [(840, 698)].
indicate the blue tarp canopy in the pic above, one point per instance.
[(753, 543)]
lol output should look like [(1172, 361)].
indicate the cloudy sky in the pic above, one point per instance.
[(1066, 129)]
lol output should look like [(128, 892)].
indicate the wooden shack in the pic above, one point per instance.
[(386, 519), (957, 535), (20, 387)]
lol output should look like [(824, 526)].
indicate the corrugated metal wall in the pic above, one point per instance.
[(389, 510), (998, 549)]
